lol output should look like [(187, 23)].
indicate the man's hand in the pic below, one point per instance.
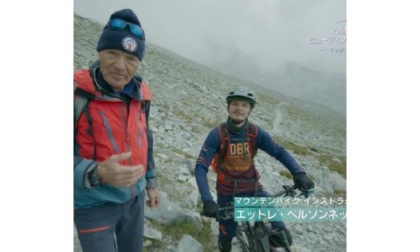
[(210, 209), (154, 198), (112, 172), (302, 181)]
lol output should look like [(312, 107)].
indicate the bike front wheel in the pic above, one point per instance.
[(245, 237)]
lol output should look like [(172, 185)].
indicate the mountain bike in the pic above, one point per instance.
[(253, 236)]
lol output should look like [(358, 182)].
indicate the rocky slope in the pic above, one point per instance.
[(188, 100)]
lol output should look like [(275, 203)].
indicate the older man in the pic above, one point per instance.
[(113, 157)]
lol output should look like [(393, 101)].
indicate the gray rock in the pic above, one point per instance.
[(188, 243), (152, 233), (168, 212)]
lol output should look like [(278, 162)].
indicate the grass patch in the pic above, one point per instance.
[(159, 145), (195, 129), (337, 165), (267, 98), (297, 149), (286, 174), (334, 164), (187, 117), (211, 123), (341, 193), (182, 153), (335, 195)]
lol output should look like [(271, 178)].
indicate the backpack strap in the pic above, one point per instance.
[(81, 101), (224, 137), (252, 132), (224, 143)]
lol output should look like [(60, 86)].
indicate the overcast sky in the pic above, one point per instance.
[(270, 32)]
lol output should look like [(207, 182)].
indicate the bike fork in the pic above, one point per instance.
[(286, 242)]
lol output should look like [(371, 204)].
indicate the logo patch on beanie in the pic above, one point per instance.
[(129, 44)]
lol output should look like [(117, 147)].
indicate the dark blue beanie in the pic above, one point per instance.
[(122, 40)]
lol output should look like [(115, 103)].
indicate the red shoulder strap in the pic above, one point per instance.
[(145, 92), (83, 81), (224, 142), (224, 138), (252, 132)]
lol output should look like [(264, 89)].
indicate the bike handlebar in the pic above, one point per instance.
[(290, 191)]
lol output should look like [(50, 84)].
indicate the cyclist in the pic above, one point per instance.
[(237, 176)]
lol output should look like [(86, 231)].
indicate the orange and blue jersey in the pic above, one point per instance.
[(237, 164)]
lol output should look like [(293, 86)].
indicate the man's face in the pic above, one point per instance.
[(239, 110), (117, 67)]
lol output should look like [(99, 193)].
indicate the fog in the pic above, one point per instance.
[(297, 47)]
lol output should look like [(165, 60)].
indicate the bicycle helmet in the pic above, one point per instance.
[(242, 93)]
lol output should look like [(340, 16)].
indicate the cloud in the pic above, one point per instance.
[(253, 39), (271, 31)]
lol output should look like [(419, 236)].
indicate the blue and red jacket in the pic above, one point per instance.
[(111, 125), (238, 163)]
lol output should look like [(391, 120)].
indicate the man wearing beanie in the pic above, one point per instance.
[(113, 146)]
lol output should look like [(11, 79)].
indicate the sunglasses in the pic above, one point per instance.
[(119, 24)]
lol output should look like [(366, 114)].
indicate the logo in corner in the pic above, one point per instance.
[(129, 44)]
